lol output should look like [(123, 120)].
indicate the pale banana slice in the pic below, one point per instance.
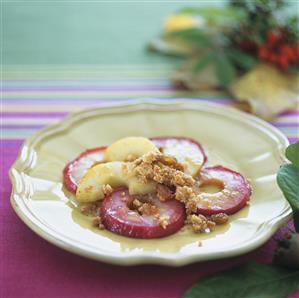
[(116, 174), (128, 149)]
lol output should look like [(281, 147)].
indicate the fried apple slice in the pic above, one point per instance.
[(92, 186), (128, 149), (187, 151)]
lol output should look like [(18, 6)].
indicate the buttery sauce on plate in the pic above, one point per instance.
[(172, 243)]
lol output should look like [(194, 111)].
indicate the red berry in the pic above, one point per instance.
[(283, 62), (272, 38), (286, 51), (263, 52), (273, 58), (233, 195)]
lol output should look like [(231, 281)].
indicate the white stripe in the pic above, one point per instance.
[(287, 119)]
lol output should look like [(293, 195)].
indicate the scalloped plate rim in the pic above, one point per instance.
[(169, 259)]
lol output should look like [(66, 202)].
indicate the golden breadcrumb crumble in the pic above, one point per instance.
[(187, 196), (145, 208), (200, 223), (164, 221), (184, 193), (164, 170), (107, 189), (171, 183), (220, 218), (97, 222)]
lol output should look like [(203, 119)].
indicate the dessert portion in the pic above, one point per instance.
[(150, 188)]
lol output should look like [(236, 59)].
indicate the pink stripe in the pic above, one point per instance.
[(289, 113)]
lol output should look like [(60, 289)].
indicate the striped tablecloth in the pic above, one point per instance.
[(34, 97)]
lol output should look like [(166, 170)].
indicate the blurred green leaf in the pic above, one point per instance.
[(192, 35), (294, 68), (241, 59), (203, 62), (292, 154), (213, 12), (288, 180), (251, 280), (224, 69)]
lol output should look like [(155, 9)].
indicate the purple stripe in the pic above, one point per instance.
[(22, 126), (102, 97), (38, 126), (33, 114), (287, 124), (18, 142), (88, 88), (92, 101), (10, 145), (11, 142), (293, 139), (87, 80), (54, 101)]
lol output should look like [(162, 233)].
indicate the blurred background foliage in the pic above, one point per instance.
[(66, 32)]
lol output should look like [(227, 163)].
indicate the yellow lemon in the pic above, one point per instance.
[(179, 22)]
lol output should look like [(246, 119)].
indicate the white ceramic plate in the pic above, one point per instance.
[(232, 138)]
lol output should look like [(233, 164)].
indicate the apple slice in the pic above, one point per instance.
[(186, 150), (76, 168), (119, 217), (230, 191), (91, 187), (128, 149)]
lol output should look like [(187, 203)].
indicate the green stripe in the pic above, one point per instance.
[(84, 67), (105, 82), (107, 95), (82, 75), (290, 131), (87, 72), (94, 72), (17, 133), (24, 133)]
